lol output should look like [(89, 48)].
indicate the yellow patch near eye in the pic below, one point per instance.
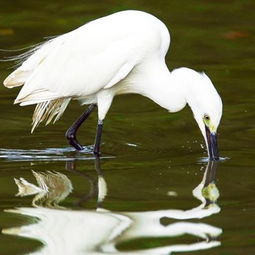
[(208, 123)]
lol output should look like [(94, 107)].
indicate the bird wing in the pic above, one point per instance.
[(121, 74), (76, 64), (95, 56)]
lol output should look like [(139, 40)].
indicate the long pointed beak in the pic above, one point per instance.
[(212, 144)]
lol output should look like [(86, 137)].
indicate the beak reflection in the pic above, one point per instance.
[(212, 144)]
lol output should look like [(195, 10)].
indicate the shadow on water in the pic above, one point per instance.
[(101, 231)]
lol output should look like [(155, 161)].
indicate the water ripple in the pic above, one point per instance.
[(48, 154), (206, 159)]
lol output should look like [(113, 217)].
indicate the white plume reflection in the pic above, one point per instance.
[(101, 231), (53, 187)]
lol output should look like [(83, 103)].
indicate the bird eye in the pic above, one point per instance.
[(206, 117)]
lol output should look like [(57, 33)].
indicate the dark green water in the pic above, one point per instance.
[(151, 159)]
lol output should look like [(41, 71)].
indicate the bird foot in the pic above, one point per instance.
[(73, 141), (76, 145)]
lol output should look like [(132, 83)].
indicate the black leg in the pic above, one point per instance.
[(71, 132), (98, 138)]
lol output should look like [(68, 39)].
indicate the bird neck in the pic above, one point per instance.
[(164, 88)]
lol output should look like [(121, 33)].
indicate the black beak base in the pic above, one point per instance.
[(212, 144)]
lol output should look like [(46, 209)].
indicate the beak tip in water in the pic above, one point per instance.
[(212, 145)]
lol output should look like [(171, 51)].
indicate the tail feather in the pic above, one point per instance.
[(27, 97), (28, 62), (17, 78), (49, 110)]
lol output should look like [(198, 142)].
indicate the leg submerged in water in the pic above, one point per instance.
[(71, 132), (98, 137)]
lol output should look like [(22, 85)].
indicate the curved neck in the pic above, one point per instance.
[(163, 87)]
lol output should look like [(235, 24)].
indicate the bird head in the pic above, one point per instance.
[(208, 124), (206, 106)]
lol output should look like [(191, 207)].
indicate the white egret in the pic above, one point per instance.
[(117, 54)]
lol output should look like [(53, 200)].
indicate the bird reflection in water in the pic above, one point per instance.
[(101, 231), (53, 187)]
